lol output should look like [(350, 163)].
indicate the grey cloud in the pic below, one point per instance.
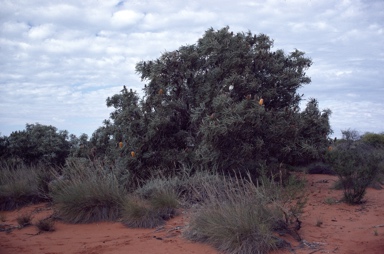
[(60, 61)]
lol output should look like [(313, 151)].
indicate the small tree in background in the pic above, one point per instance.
[(227, 101), (39, 144), (374, 139), (356, 163)]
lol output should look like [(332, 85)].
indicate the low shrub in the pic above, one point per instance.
[(46, 225), (24, 220), (357, 165)]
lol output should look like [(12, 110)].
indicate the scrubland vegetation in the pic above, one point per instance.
[(218, 132)]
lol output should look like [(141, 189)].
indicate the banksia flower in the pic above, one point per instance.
[(161, 91), (261, 102), (330, 148), (133, 154), (121, 144)]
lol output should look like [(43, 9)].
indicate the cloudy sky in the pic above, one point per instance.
[(60, 60)]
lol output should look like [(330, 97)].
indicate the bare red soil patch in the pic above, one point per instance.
[(95, 238), (327, 227), (335, 227)]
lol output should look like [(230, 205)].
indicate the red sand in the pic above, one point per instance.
[(345, 229)]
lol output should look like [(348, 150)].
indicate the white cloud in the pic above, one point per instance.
[(125, 18), (41, 32), (61, 60)]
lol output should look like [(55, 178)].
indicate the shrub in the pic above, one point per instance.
[(93, 196), (46, 225), (38, 144), (18, 187), (230, 101), (24, 220), (374, 139), (356, 165)]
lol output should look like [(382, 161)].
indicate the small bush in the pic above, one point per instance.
[(46, 225), (357, 165), (24, 220), (376, 140)]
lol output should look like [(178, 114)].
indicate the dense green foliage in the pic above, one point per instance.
[(374, 139), (202, 106), (36, 144)]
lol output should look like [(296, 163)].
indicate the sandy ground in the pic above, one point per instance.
[(328, 227)]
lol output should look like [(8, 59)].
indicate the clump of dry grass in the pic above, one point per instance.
[(94, 195), (241, 217), (46, 225), (150, 213), (18, 187), (24, 220)]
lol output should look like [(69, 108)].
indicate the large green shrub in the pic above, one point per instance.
[(202, 106)]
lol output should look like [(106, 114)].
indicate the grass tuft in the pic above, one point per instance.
[(93, 196), (165, 202), (137, 213), (242, 217), (18, 187)]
